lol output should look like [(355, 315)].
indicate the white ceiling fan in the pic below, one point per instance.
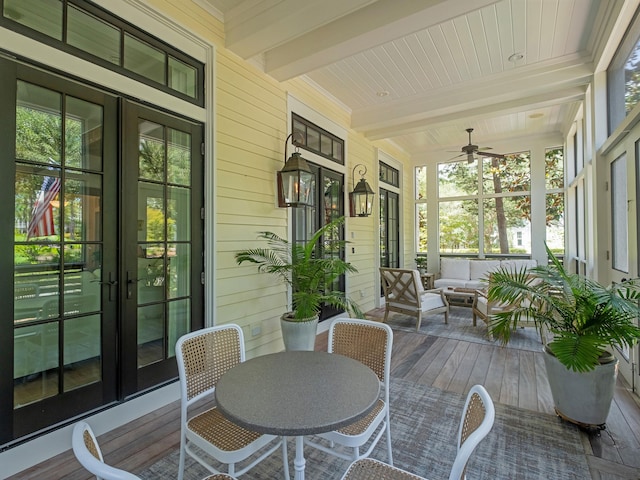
[(470, 150)]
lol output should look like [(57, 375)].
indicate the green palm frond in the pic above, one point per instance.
[(584, 317), (306, 270)]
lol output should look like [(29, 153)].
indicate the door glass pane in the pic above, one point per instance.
[(179, 314), (35, 370), (178, 157), (83, 135), (179, 270), (38, 124), (82, 357), (82, 207), (178, 214), (152, 151), (150, 334), (619, 212), (151, 273), (93, 35)]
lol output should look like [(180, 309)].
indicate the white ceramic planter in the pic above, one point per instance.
[(582, 397), (300, 335)]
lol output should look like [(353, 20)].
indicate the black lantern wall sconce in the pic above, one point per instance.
[(361, 199), (295, 181)]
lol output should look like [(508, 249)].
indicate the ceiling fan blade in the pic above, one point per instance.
[(456, 156), (487, 154)]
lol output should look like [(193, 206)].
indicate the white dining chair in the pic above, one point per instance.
[(370, 343), (203, 357), (476, 422), (87, 451)]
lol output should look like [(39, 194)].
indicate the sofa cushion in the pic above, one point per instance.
[(418, 280), (480, 269), (431, 301), (518, 265), (457, 268)]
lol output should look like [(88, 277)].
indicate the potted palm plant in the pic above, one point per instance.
[(311, 277), (584, 319)]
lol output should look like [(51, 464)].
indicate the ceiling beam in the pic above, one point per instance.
[(529, 103), (255, 26), (544, 83), (378, 23)]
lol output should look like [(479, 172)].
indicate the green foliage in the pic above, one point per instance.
[(584, 317), (310, 275), (459, 230)]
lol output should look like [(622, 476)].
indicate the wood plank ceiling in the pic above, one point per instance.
[(420, 72)]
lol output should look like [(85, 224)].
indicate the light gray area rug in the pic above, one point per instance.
[(522, 445), (460, 327)]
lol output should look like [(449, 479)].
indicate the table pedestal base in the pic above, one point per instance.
[(299, 462)]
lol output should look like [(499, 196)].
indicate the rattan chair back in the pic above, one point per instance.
[(477, 420), (207, 355), (87, 451), (365, 342)]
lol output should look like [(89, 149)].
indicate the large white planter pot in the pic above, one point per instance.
[(299, 335), (583, 398)]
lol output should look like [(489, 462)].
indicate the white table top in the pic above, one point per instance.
[(297, 393)]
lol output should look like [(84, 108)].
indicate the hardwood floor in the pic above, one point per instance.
[(512, 377)]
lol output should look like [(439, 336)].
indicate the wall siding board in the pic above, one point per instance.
[(250, 129)]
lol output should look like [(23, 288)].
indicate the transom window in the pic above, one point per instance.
[(85, 30), (318, 140), (389, 175)]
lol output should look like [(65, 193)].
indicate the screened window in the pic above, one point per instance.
[(421, 208), (485, 206), (554, 199)]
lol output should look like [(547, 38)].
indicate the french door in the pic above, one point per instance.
[(622, 234), (389, 229), (101, 227), (329, 198)]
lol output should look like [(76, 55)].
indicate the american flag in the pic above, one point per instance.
[(41, 223)]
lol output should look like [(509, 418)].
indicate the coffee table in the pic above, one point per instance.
[(297, 393), (461, 297)]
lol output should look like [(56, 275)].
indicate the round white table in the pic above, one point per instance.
[(297, 393)]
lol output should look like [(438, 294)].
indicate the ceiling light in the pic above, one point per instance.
[(536, 115), (382, 93), (515, 57)]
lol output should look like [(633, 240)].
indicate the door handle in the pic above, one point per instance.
[(130, 281), (111, 283)]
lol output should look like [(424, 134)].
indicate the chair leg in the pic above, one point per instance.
[(389, 443), (446, 316), (181, 461), (386, 315), (419, 321)]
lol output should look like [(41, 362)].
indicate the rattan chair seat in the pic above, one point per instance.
[(361, 425), (368, 469), (216, 429)]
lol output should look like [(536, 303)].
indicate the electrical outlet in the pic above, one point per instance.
[(256, 330)]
